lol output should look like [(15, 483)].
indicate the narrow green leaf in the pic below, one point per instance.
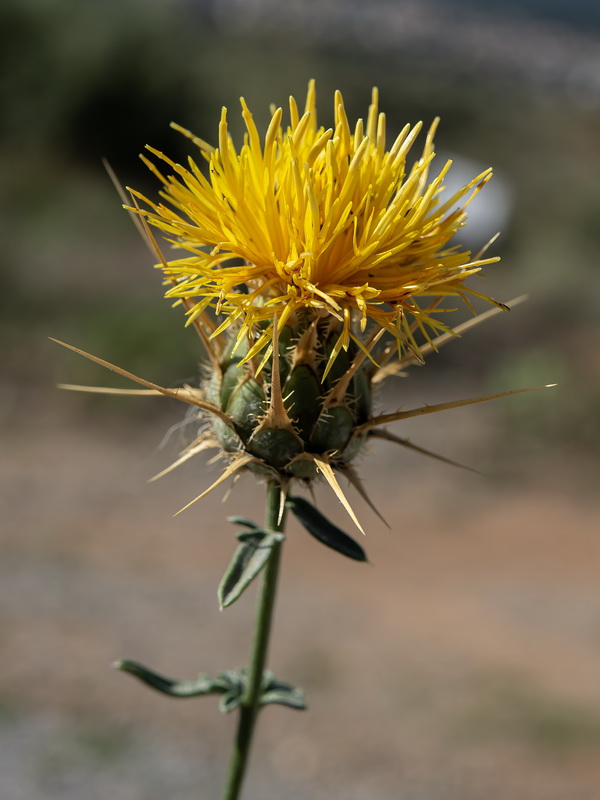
[(248, 560), (247, 523), (292, 698), (250, 536), (234, 678), (230, 701), (175, 688), (323, 530)]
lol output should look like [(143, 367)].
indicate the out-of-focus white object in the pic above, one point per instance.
[(489, 212)]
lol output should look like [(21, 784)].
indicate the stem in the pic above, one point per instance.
[(260, 643)]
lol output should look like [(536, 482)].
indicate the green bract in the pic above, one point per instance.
[(319, 416)]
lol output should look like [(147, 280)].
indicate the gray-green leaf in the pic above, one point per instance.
[(248, 560), (292, 698), (323, 530), (244, 521), (229, 702), (175, 688)]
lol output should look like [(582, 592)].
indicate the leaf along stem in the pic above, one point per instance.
[(250, 703)]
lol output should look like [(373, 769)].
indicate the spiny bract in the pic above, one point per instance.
[(288, 413)]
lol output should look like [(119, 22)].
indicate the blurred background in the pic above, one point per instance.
[(465, 661)]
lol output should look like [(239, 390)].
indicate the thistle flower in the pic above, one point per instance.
[(324, 221), (301, 252)]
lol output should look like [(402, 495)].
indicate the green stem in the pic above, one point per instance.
[(250, 705)]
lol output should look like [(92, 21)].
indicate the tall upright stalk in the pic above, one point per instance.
[(260, 644)]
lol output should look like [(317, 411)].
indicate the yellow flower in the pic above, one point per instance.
[(312, 219)]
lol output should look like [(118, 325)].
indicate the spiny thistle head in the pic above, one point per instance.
[(301, 249)]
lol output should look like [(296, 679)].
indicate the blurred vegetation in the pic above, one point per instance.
[(508, 707), (84, 81)]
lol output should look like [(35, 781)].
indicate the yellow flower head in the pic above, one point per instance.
[(308, 219)]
